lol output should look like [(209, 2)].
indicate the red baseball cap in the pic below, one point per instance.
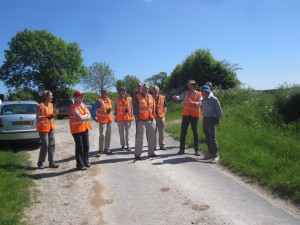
[(78, 93)]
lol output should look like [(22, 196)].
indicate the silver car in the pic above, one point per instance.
[(18, 121)]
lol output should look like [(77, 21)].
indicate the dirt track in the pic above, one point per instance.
[(169, 189)]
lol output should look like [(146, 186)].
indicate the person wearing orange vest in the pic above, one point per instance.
[(101, 112), (45, 127), (144, 112), (190, 115), (80, 126), (123, 117), (161, 109)]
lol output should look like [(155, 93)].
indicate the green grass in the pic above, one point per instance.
[(14, 186), (253, 140)]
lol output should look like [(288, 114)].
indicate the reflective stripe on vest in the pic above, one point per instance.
[(77, 125), (191, 109), (146, 108), (101, 113), (44, 124), (123, 109)]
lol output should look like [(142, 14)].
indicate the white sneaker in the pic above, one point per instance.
[(215, 160)]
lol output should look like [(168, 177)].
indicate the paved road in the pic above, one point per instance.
[(179, 190)]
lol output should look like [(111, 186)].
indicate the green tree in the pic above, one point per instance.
[(130, 82), (202, 67), (159, 80), (100, 76), (41, 61)]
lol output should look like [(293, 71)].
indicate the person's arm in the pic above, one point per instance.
[(135, 107), (178, 97)]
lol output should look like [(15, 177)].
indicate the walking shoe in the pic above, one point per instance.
[(137, 157), (53, 165), (40, 166), (163, 148), (88, 165), (181, 152), (128, 149), (98, 155), (215, 160), (81, 168), (153, 155), (208, 156), (197, 153), (123, 147), (107, 151)]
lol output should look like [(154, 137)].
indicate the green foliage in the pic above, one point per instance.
[(130, 82), (100, 76), (288, 105), (40, 60), (92, 97), (202, 67), (253, 139), (159, 80), (14, 186), (24, 94)]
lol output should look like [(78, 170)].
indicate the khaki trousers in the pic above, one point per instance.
[(104, 136), (149, 125), (160, 129), (48, 146), (124, 127)]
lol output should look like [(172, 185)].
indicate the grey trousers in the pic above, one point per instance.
[(48, 146), (160, 129), (104, 136), (124, 128), (149, 125), (209, 129)]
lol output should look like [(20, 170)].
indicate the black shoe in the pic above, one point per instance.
[(40, 166), (123, 147), (81, 168), (98, 155), (107, 151), (88, 165), (163, 148), (153, 155), (137, 157), (181, 152), (53, 165)]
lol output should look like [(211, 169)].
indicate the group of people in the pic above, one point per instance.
[(148, 111)]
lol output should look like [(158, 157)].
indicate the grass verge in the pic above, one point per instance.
[(14, 186)]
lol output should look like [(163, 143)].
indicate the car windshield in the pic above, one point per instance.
[(18, 109)]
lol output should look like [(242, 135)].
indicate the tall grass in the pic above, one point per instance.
[(253, 139), (14, 186)]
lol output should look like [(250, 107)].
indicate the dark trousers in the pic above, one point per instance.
[(186, 120), (82, 148), (209, 129)]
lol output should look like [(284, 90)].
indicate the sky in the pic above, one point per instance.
[(146, 37)]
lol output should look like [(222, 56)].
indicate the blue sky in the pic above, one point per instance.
[(145, 37)]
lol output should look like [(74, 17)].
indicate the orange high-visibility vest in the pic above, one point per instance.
[(160, 109), (146, 108), (101, 113), (191, 109), (123, 109), (76, 124), (44, 124)]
